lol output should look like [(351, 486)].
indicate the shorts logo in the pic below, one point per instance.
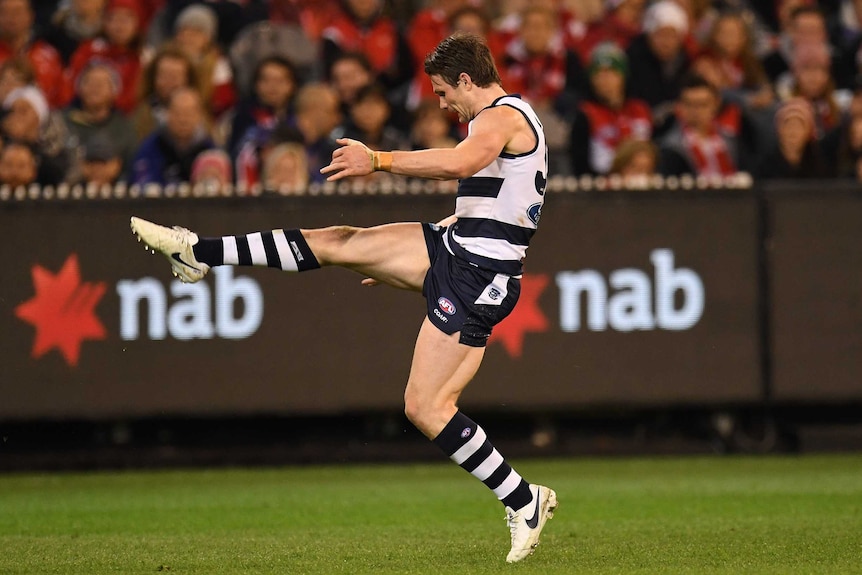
[(466, 433), (440, 315), (493, 293), (446, 305)]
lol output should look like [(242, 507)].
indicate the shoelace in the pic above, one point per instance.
[(512, 522)]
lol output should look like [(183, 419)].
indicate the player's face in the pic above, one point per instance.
[(451, 97)]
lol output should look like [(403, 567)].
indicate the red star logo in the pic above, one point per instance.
[(526, 317), (62, 311)]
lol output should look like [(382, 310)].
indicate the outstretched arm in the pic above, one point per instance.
[(491, 132)]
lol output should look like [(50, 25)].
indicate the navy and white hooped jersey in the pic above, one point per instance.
[(498, 208)]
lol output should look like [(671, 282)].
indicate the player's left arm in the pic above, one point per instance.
[(491, 132)]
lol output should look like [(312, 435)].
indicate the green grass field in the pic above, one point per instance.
[(782, 515)]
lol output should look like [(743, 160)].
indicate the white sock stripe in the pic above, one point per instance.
[(231, 256), (489, 466), (508, 486), (255, 246), (470, 447), (285, 254)]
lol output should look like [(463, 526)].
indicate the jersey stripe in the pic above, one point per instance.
[(480, 187), (493, 229)]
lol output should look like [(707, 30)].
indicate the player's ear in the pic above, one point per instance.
[(465, 80)]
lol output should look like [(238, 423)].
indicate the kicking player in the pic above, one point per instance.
[(468, 267)]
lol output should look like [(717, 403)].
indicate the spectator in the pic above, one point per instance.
[(805, 25), (797, 153), (212, 170), (349, 74), (271, 101), (697, 144), (740, 74), (635, 161), (368, 121), (93, 115), (17, 39), (29, 120), (103, 162), (607, 117), (317, 115), (15, 73), (431, 128), (813, 81), (286, 169), (621, 26), (195, 36), (167, 155), (849, 139), (169, 70), (360, 26), (17, 165), (253, 148), (119, 44), (657, 60), (75, 22)]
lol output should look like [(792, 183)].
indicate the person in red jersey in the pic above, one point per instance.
[(17, 39)]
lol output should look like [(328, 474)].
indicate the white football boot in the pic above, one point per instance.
[(526, 524), (175, 244)]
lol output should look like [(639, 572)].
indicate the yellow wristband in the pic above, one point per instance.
[(381, 161)]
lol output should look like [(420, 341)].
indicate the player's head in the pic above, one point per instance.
[(463, 53)]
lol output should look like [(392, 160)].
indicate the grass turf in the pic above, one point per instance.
[(777, 515)]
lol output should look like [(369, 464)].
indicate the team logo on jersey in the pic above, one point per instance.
[(534, 212), (493, 293), (466, 433), (446, 305)]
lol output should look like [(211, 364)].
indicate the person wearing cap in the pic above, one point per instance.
[(796, 153), (29, 120), (606, 117), (103, 164), (195, 34), (17, 39), (93, 114), (658, 60), (120, 44)]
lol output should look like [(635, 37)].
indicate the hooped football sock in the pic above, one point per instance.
[(283, 249), (467, 445)]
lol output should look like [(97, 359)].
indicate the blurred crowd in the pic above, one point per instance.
[(254, 92)]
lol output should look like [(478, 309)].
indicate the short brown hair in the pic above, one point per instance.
[(465, 53)]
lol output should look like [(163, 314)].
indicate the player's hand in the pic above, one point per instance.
[(370, 282), (352, 159)]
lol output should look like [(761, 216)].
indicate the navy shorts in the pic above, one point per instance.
[(462, 297)]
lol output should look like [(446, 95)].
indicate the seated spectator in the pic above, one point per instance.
[(317, 115), (635, 161), (254, 147), (361, 26), (431, 128), (697, 144), (17, 39), (620, 26), (93, 114), (813, 81), (119, 44), (741, 77), (29, 120), (658, 61), (286, 169), (797, 153), (75, 22), (212, 170), (803, 24), (103, 163), (195, 36), (368, 121), (17, 165), (15, 73), (849, 139), (167, 155), (350, 72), (271, 101), (169, 70), (607, 117)]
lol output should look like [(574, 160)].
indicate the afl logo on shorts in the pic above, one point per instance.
[(446, 305)]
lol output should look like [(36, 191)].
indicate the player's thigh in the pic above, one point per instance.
[(395, 254)]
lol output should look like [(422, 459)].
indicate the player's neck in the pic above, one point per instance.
[(487, 96)]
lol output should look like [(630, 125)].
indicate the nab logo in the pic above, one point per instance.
[(446, 305), (63, 311)]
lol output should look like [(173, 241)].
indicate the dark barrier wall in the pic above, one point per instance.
[(646, 299), (815, 256)]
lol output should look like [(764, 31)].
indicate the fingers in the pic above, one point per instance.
[(370, 282)]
